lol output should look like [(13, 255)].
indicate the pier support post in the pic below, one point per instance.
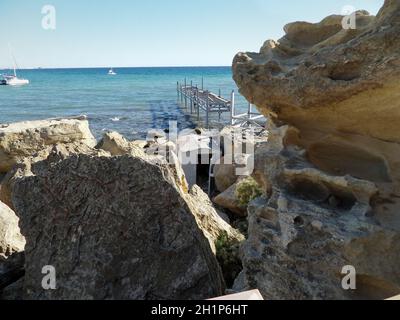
[(185, 93), (233, 107), (250, 111), (180, 90), (207, 110), (198, 107), (191, 96)]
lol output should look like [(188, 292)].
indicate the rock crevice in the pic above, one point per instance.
[(330, 169)]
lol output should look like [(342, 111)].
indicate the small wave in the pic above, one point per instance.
[(116, 119)]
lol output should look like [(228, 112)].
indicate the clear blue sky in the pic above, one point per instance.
[(116, 33)]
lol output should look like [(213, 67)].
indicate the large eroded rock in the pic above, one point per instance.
[(36, 138), (312, 224), (117, 145), (230, 169), (320, 77), (24, 166), (228, 200), (11, 239), (116, 228), (330, 169)]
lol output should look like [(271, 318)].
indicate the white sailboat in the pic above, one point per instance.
[(111, 72), (13, 80)]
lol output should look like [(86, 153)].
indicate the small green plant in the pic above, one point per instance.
[(247, 190), (228, 257)]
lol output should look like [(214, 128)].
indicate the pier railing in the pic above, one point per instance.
[(198, 99)]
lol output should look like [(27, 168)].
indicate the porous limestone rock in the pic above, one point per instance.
[(11, 239), (116, 228), (228, 200), (162, 147), (210, 221), (323, 83), (229, 169), (330, 169), (36, 138), (319, 83), (23, 167), (310, 225), (117, 145)]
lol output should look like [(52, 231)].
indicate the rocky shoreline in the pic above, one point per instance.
[(114, 218), (119, 219), (330, 169)]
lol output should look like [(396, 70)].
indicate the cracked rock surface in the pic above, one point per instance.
[(117, 228), (330, 169)]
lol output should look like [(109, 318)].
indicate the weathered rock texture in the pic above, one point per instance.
[(229, 170), (14, 292), (11, 239), (209, 220), (12, 245), (117, 145), (24, 166), (116, 228), (320, 77), (229, 200), (22, 140), (330, 169), (11, 273)]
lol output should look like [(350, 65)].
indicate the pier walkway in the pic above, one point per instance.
[(203, 101)]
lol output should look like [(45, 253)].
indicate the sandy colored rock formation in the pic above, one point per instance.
[(210, 221), (117, 228), (309, 226), (336, 81), (330, 170), (24, 166), (117, 145), (11, 239), (229, 169), (228, 200), (36, 138)]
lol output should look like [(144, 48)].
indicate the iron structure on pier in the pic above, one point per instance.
[(198, 100)]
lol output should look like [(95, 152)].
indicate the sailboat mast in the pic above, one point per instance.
[(14, 62)]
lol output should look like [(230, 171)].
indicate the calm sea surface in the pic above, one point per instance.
[(134, 101)]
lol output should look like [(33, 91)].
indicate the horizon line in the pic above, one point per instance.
[(120, 67)]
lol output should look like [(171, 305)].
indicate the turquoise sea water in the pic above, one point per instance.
[(134, 101)]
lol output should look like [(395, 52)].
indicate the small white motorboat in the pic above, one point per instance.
[(111, 72)]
